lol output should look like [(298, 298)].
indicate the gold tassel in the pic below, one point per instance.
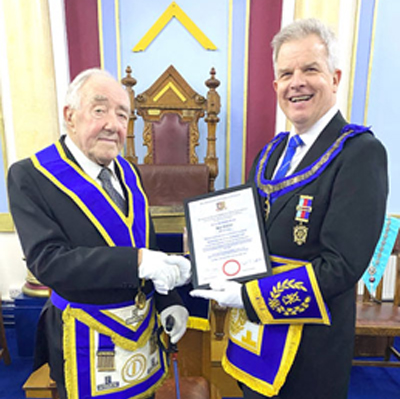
[(105, 360)]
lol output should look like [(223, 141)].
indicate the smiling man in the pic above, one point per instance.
[(83, 222), (323, 187), (306, 84)]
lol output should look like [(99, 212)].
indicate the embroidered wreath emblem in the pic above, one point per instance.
[(287, 304), (237, 320)]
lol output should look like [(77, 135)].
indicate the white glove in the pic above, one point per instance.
[(180, 316), (185, 268), (226, 293), (154, 267)]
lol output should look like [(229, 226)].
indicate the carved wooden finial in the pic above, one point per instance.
[(213, 108), (213, 82), (128, 80)]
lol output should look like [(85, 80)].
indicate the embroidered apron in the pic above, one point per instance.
[(110, 351), (261, 355)]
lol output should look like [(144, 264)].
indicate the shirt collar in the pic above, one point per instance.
[(89, 167), (312, 134)]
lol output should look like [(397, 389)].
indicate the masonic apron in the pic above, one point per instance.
[(261, 355), (111, 351)]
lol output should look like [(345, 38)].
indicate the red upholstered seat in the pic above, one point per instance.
[(168, 185), (171, 141)]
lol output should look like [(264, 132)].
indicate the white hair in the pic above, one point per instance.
[(301, 29), (73, 96)]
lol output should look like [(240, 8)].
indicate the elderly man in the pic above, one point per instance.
[(83, 221), (323, 186)]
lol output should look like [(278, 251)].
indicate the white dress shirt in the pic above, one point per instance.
[(309, 137), (92, 168)]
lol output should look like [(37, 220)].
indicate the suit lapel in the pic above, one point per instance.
[(269, 171), (67, 151), (323, 142), (72, 158)]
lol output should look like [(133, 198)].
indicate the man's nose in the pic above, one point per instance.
[(298, 79), (112, 122)]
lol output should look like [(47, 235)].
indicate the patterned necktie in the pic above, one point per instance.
[(105, 178), (294, 142)]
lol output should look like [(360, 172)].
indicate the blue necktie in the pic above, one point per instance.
[(105, 178), (294, 142)]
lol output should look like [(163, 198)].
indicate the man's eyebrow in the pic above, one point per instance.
[(312, 64), (282, 70), (125, 109), (99, 98)]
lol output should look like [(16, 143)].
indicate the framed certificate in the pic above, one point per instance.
[(226, 236)]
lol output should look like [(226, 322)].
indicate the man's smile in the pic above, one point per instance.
[(108, 139), (296, 99)]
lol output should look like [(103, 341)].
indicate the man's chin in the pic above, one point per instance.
[(300, 124), (105, 159)]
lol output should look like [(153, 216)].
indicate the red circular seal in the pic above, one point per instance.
[(231, 267)]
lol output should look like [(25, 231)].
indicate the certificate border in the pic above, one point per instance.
[(260, 224)]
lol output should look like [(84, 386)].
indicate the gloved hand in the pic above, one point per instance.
[(154, 267), (185, 268), (226, 293), (180, 316)]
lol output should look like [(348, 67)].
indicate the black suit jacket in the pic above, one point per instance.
[(65, 252), (348, 210)]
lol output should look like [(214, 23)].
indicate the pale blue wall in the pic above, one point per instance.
[(384, 105), (175, 45), (377, 83), (362, 61)]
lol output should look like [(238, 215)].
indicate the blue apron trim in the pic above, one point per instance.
[(86, 386), (290, 297), (112, 224), (261, 355), (105, 343), (100, 315)]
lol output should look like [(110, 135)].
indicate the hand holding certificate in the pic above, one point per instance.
[(226, 293), (226, 236)]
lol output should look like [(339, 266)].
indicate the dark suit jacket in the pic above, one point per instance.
[(348, 210), (65, 252)]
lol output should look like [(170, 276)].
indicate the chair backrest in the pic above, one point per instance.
[(170, 140), (171, 111), (169, 185)]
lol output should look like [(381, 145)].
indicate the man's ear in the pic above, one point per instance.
[(68, 113), (337, 75)]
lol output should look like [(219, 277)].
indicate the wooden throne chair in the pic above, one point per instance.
[(171, 171), (171, 111)]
